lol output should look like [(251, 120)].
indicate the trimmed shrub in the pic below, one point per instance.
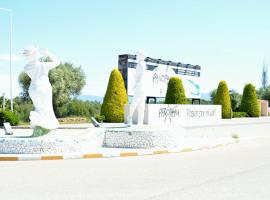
[(8, 116), (115, 98), (100, 118), (239, 114), (249, 103), (222, 98), (175, 92)]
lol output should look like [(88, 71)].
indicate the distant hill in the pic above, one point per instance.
[(206, 96), (91, 98)]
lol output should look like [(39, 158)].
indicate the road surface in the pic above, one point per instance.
[(239, 171)]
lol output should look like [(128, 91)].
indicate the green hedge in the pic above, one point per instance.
[(175, 92), (249, 103), (8, 116), (222, 98), (115, 98), (240, 114)]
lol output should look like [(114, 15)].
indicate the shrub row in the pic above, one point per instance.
[(240, 114), (8, 116), (112, 109), (249, 106)]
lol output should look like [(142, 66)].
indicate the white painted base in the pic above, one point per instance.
[(177, 114)]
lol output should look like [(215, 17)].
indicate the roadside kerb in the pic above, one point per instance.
[(28, 157)]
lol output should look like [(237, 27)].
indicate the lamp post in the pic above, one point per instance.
[(10, 53)]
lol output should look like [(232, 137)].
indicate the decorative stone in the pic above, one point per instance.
[(144, 137)]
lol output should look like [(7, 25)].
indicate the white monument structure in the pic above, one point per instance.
[(138, 101), (42, 118)]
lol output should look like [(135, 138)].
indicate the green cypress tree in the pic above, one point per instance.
[(115, 98), (249, 103), (175, 92), (223, 98)]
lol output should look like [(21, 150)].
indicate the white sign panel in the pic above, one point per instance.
[(157, 82), (179, 114)]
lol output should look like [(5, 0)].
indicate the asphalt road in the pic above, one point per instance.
[(239, 171)]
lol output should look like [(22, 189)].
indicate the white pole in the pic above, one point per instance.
[(10, 53), (10, 60)]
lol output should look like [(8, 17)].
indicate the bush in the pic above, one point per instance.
[(81, 108), (239, 114), (222, 98), (175, 92), (23, 111), (249, 103), (8, 116), (115, 98), (100, 118), (235, 100)]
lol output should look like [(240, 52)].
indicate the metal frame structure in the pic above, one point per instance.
[(125, 61)]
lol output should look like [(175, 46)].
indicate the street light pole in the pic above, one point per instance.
[(10, 52)]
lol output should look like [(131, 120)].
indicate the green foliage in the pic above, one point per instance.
[(264, 94), (67, 82), (235, 100), (100, 118), (222, 98), (8, 116), (73, 108), (24, 82), (205, 102), (175, 92), (115, 98), (239, 114), (213, 94), (23, 108), (249, 103), (79, 108)]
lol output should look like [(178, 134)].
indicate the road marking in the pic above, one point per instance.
[(51, 157), (161, 152), (126, 154), (9, 158), (108, 155), (186, 150), (94, 155), (204, 147)]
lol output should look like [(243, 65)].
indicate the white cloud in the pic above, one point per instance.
[(6, 57)]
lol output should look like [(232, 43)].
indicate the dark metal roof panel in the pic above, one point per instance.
[(164, 62)]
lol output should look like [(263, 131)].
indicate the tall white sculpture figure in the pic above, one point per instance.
[(138, 101), (42, 118)]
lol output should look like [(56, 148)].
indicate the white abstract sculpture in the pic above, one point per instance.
[(40, 90), (138, 101)]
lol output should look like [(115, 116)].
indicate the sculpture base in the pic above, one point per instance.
[(39, 131), (55, 142), (144, 137)]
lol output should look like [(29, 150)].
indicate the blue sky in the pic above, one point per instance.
[(229, 39)]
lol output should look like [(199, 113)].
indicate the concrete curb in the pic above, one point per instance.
[(28, 157)]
